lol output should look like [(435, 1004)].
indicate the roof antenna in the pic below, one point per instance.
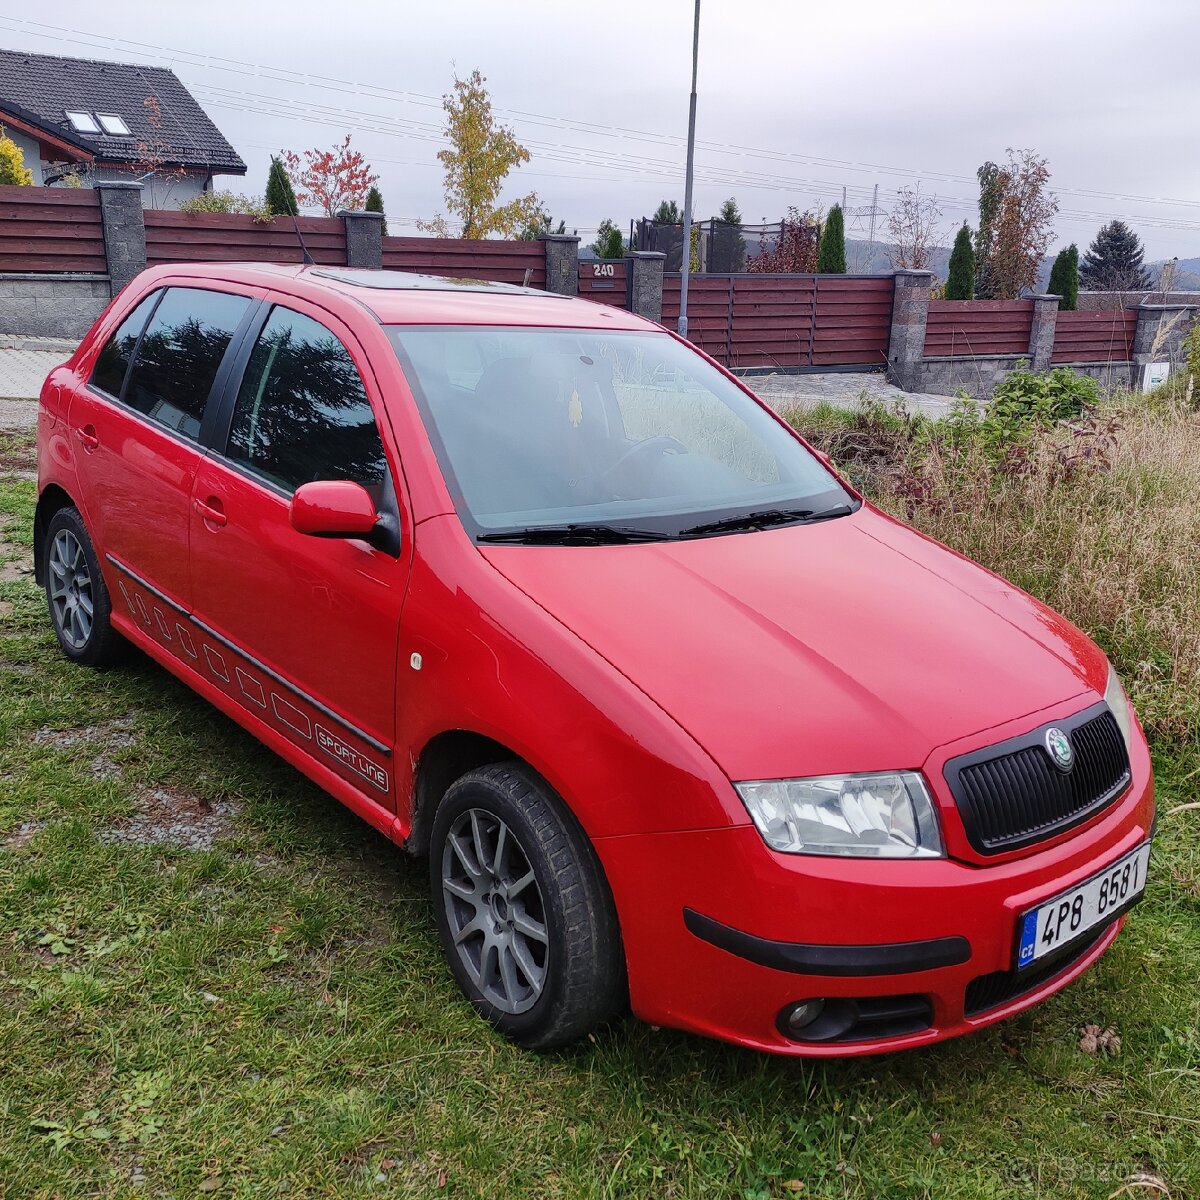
[(308, 259)]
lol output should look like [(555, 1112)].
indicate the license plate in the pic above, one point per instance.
[(1070, 915)]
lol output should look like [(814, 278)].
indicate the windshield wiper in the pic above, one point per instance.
[(573, 535), (767, 517)]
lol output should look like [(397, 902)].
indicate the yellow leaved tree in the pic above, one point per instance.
[(481, 154), (12, 163)]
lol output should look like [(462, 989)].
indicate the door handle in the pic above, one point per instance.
[(87, 437), (211, 512)]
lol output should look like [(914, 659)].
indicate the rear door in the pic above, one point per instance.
[(306, 627), (137, 426)]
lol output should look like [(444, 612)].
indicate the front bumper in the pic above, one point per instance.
[(722, 935)]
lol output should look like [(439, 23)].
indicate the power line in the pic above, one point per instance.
[(639, 165), (334, 83)]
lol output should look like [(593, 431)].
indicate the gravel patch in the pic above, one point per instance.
[(172, 817), (22, 835)]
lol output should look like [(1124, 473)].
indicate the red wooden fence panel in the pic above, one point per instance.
[(603, 282), (51, 229), (501, 262), (233, 237), (973, 328), (1094, 336), (853, 320), (709, 299), (786, 321)]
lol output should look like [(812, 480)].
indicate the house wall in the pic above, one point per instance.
[(29, 150), (155, 193)]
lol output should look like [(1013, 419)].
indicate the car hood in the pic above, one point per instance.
[(850, 645)]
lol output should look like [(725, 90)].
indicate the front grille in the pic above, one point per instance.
[(1012, 795), (991, 991)]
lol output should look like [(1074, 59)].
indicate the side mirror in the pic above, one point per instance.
[(333, 508)]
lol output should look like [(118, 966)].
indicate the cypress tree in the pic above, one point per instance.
[(375, 204), (960, 282), (1113, 262), (281, 200), (1064, 278), (831, 256)]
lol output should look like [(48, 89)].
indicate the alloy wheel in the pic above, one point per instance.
[(70, 585), (495, 911)]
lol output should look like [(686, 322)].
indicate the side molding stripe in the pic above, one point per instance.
[(374, 743)]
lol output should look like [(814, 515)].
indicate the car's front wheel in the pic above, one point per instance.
[(524, 912), (80, 609)]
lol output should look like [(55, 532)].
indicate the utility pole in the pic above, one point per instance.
[(687, 186), (871, 238)]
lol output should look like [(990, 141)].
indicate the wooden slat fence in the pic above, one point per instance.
[(1095, 336), (786, 321), (603, 281), (974, 328), (853, 320), (51, 229), (231, 237), (501, 262)]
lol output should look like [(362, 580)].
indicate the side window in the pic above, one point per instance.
[(113, 361), (302, 413), (180, 352)]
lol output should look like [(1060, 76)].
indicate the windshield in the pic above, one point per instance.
[(626, 436)]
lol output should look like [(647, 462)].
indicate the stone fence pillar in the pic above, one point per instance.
[(1161, 329), (364, 238), (644, 283), (910, 313), (1041, 332), (124, 227), (562, 263)]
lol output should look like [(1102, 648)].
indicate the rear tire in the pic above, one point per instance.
[(76, 596), (525, 916)]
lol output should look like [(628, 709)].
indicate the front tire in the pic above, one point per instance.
[(525, 916), (78, 600)]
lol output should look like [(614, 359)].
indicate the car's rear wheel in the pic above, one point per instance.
[(80, 609), (524, 912)]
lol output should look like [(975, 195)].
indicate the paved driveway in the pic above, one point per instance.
[(21, 376), (842, 389)]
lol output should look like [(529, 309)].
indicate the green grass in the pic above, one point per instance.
[(271, 1016)]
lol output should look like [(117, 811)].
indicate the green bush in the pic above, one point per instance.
[(227, 202), (1026, 397)]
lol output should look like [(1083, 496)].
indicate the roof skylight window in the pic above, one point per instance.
[(83, 122), (113, 124)]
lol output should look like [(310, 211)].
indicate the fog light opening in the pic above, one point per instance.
[(817, 1020), (798, 1016)]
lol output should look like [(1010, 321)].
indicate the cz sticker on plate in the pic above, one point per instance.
[(1070, 915)]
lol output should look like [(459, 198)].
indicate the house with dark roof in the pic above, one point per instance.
[(80, 120)]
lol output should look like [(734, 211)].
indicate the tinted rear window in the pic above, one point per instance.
[(113, 361), (180, 352)]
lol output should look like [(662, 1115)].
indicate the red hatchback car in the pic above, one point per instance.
[(540, 591)]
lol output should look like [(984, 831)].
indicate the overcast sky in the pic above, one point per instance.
[(798, 98)]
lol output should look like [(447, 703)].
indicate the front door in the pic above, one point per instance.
[(303, 630), (137, 431)]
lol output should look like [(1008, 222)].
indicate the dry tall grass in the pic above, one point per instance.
[(1100, 519)]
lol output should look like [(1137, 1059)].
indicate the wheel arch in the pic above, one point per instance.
[(53, 499), (448, 756)]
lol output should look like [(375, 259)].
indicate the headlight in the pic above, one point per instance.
[(1118, 703), (867, 816)]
